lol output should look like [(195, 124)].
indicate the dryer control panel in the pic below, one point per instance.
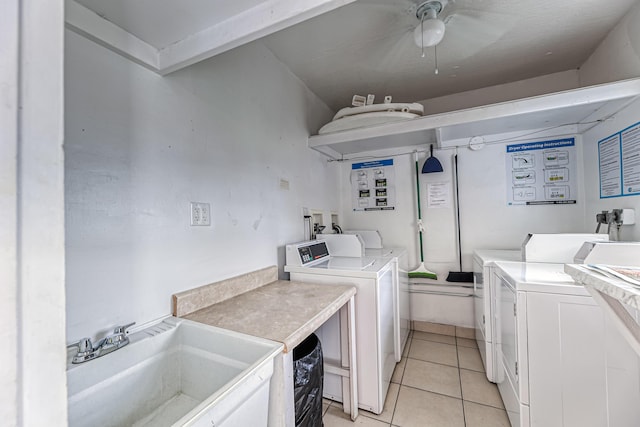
[(304, 253)]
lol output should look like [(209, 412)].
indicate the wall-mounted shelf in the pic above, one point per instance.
[(582, 107)]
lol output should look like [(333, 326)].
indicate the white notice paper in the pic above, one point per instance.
[(438, 195)]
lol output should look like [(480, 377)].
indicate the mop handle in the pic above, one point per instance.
[(419, 210)]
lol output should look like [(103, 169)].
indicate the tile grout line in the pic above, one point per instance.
[(393, 414), (464, 415), (444, 364), (401, 384)]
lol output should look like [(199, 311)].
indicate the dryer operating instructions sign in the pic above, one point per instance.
[(373, 185), (542, 173)]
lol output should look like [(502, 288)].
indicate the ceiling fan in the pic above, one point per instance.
[(463, 30), (431, 30)]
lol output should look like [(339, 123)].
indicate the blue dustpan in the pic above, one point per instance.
[(431, 164)]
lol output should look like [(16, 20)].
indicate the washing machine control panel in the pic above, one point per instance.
[(313, 252), (306, 253)]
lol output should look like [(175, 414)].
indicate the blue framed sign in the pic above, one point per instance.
[(542, 173), (619, 163), (373, 186)]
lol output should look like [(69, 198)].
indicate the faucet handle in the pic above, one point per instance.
[(123, 329), (83, 345)]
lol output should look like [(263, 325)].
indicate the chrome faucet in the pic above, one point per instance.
[(111, 343)]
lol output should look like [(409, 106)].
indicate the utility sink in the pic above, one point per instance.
[(176, 373)]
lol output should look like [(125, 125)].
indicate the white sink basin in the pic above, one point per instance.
[(176, 372)]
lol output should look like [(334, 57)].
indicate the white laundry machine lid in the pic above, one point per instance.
[(345, 263), (490, 256), (540, 277)]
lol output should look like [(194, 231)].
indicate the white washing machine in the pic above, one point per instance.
[(556, 247), (559, 362), (538, 248), (483, 298), (369, 243), (311, 261)]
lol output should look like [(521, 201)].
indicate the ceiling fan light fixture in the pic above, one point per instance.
[(429, 32)]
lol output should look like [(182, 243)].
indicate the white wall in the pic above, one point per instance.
[(32, 354), (486, 220), (541, 85), (399, 228), (616, 58), (618, 55), (140, 147), (622, 120)]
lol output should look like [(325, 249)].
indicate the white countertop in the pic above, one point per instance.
[(613, 287), (259, 304)]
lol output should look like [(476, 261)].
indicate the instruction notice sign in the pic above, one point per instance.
[(438, 195), (542, 173), (619, 163), (373, 185)]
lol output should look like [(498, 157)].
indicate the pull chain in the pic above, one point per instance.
[(422, 33), (435, 50)]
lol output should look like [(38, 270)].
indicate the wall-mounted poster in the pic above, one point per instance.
[(542, 173), (373, 185), (619, 163)]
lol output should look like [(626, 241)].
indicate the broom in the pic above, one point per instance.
[(458, 276), (421, 271)]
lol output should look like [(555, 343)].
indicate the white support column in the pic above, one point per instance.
[(281, 399), (32, 294), (353, 368), (9, 42)]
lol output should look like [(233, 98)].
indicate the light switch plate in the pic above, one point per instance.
[(200, 214)]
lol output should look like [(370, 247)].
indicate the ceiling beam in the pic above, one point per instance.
[(266, 18), (262, 20), (89, 24)]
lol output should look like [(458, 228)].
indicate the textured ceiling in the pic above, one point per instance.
[(367, 46), (163, 22)]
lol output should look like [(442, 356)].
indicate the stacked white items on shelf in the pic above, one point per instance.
[(365, 113)]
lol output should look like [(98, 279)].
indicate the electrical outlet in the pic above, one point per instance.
[(200, 213)]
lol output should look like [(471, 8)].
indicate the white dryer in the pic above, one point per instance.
[(559, 363), (483, 298), (311, 261), (538, 248)]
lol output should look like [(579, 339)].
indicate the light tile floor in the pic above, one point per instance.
[(440, 382)]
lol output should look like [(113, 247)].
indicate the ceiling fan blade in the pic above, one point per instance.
[(401, 5), (392, 52), (468, 32)]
